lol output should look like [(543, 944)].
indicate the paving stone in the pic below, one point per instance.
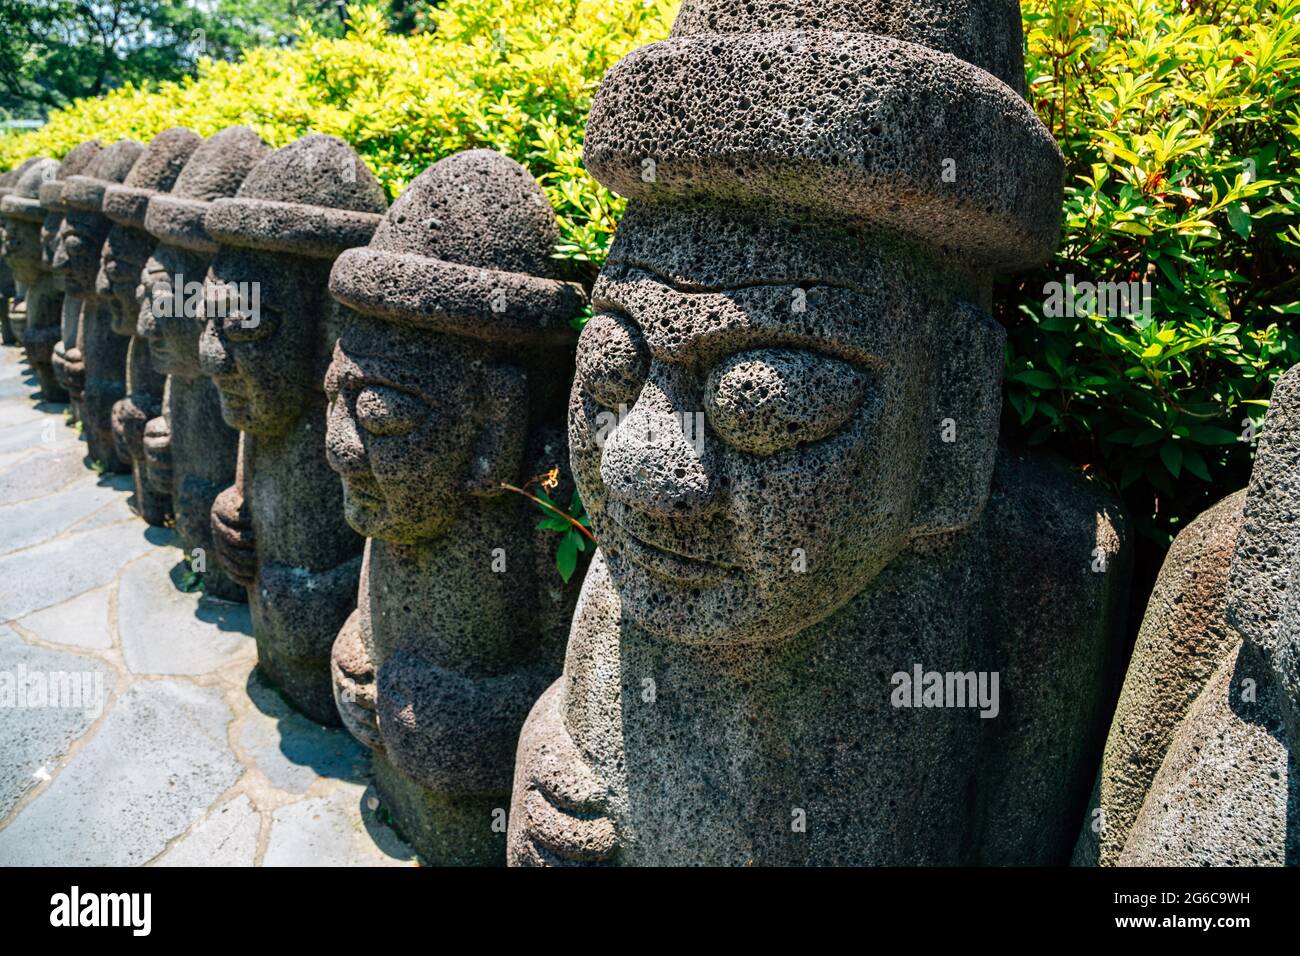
[(36, 731), (292, 750), (333, 830), (227, 837), (31, 522), (16, 380), (115, 512), (18, 412), (165, 630), (34, 473), (29, 434), (12, 457), (81, 622), (51, 573), (160, 758)]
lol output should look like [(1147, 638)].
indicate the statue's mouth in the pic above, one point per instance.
[(163, 360), (236, 402), (363, 493), (672, 565)]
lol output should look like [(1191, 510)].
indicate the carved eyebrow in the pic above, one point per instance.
[(617, 290), (352, 374), (630, 265)]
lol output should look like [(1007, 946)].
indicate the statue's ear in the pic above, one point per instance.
[(962, 431), (503, 428)]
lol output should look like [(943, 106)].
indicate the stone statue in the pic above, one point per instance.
[(9, 335), (266, 342), (829, 621), (37, 309), (7, 181), (92, 356), (68, 369), (189, 449), (126, 250), (1200, 763), (448, 380)]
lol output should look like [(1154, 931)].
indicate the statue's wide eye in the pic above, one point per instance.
[(382, 410), (242, 318), (613, 359), (766, 400)]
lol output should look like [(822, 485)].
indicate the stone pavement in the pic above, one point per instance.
[(134, 728)]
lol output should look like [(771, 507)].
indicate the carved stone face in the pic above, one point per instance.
[(768, 459), (125, 252), (50, 238), (77, 250), (261, 331), (21, 247), (404, 425), (172, 329)]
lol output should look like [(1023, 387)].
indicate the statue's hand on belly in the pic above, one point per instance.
[(157, 444), (232, 535), (559, 808)]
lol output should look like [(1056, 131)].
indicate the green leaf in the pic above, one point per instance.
[(1171, 454), (1212, 435), (566, 555), (1035, 379), (1195, 463), (1133, 228), (1239, 219), (1133, 470)]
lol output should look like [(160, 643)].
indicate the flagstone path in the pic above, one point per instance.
[(134, 726)]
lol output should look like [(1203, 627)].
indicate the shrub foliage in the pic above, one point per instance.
[(1180, 127), (516, 76)]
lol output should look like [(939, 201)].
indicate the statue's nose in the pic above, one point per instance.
[(61, 257), (214, 357), (146, 325), (345, 450), (659, 459)]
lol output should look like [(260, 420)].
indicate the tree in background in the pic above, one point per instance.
[(55, 51)]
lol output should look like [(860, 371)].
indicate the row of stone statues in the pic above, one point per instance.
[(193, 301), (829, 621)]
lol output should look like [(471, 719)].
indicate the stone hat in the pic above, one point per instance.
[(215, 171), (908, 116), (76, 162), (472, 231), (23, 200), (154, 172), (85, 191), (314, 197), (10, 179)]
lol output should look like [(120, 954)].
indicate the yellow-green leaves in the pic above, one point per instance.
[(512, 75), (1181, 133)]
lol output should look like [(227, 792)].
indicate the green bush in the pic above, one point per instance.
[(516, 76), (1180, 131)]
